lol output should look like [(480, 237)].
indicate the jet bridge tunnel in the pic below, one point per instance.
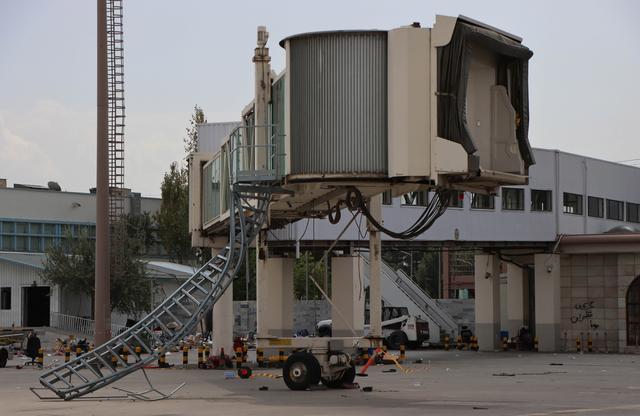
[(356, 113)]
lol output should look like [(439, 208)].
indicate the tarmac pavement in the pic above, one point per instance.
[(445, 383)]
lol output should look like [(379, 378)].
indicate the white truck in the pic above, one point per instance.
[(398, 328)]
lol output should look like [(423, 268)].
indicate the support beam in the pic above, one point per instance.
[(375, 263), (547, 298), (347, 294), (515, 299), (487, 302), (222, 319), (274, 296)]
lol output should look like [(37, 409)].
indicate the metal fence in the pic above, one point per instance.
[(79, 325)]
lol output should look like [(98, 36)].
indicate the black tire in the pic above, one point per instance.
[(4, 357), (324, 331), (347, 377), (396, 339), (301, 370)]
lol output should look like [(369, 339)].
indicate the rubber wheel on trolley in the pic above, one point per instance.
[(4, 357), (301, 370), (347, 377), (244, 372)]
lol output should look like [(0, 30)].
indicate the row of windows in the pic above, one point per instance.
[(541, 200), (36, 237)]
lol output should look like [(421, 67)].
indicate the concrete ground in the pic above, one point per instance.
[(446, 383)]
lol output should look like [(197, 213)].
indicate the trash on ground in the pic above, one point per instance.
[(390, 370), (263, 388), (367, 389)]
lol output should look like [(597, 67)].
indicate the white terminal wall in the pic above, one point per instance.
[(556, 171)]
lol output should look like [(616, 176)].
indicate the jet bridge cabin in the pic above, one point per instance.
[(401, 110)]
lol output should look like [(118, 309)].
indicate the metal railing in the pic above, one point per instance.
[(79, 325), (255, 162)]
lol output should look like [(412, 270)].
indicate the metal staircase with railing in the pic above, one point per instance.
[(178, 315), (398, 289)]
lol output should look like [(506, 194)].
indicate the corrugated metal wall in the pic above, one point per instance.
[(338, 103), (16, 276)]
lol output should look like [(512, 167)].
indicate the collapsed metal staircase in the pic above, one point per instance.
[(167, 324)]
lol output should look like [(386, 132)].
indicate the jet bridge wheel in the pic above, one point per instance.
[(301, 370), (346, 377)]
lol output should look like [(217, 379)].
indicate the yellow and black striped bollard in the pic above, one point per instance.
[(40, 358), (238, 357), (504, 344), (67, 354), (535, 344), (402, 352), (78, 351), (114, 361), (260, 357), (245, 351), (459, 343), (185, 355), (446, 342), (138, 351), (200, 357), (162, 360), (125, 354)]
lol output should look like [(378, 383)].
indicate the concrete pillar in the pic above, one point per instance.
[(223, 319), (487, 302), (274, 297), (375, 264), (547, 298), (347, 294), (515, 299)]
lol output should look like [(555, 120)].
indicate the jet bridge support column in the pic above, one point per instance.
[(223, 319), (347, 294), (274, 295), (487, 301), (375, 263)]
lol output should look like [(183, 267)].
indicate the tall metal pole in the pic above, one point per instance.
[(102, 305)]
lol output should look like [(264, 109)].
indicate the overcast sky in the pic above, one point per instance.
[(584, 75)]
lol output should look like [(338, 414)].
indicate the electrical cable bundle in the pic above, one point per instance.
[(434, 209)]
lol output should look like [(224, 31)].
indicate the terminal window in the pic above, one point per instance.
[(480, 201), (513, 199), (456, 199), (633, 212), (615, 210), (540, 200), (418, 198), (5, 298), (572, 203), (596, 207)]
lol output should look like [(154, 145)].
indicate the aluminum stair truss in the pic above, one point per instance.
[(177, 316)]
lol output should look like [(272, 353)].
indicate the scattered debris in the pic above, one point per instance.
[(503, 374), (556, 364), (480, 408), (367, 389), (418, 361), (390, 370), (263, 388)]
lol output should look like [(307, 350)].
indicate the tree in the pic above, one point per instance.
[(191, 141), (71, 266), (173, 217), (315, 268)]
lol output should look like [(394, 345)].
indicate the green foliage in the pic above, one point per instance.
[(421, 266), (71, 266), (173, 217), (240, 282), (315, 268), (191, 141)]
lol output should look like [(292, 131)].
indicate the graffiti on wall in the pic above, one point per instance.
[(583, 311)]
